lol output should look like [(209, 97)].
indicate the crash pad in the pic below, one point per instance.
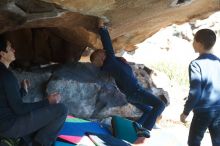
[(123, 129)]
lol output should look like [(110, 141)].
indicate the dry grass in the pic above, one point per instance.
[(169, 123)]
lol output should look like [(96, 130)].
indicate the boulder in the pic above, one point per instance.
[(86, 91)]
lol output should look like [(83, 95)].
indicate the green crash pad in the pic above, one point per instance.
[(123, 129)]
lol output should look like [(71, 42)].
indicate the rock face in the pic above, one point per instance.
[(87, 92), (38, 82), (60, 30)]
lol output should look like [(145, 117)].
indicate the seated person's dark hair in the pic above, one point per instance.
[(206, 37), (3, 43)]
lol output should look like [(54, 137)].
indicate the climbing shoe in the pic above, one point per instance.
[(9, 141), (140, 130)]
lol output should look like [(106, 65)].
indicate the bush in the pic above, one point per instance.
[(176, 72)]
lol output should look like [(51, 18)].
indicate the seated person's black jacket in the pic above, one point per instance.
[(11, 104)]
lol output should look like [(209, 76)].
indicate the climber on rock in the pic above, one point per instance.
[(121, 71)]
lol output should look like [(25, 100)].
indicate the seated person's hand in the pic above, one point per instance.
[(54, 98), (25, 84)]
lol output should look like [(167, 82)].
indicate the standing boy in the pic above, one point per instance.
[(204, 94)]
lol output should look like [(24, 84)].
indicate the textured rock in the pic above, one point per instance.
[(38, 82), (87, 92), (90, 93), (85, 89), (59, 30)]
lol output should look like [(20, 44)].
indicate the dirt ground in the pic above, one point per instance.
[(172, 131)]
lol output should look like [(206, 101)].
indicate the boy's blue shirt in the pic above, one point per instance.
[(204, 76), (119, 70)]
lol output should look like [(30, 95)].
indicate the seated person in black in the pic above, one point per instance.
[(121, 71), (40, 120)]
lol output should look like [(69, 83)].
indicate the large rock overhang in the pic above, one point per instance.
[(60, 30)]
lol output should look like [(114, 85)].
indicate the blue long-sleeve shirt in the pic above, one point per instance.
[(119, 70), (11, 104), (204, 76)]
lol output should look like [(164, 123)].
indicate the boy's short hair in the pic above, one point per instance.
[(93, 55), (3, 43), (206, 37)]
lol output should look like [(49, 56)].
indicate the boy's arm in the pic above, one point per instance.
[(106, 39), (195, 88)]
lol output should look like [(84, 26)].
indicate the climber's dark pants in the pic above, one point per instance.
[(151, 105)]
